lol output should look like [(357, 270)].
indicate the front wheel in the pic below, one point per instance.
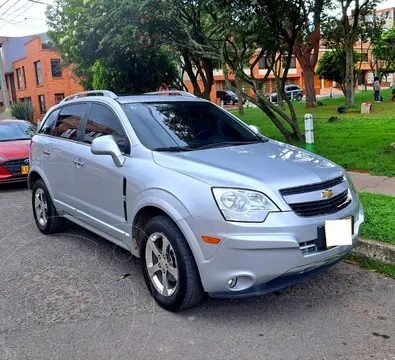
[(299, 97), (44, 212), (168, 265)]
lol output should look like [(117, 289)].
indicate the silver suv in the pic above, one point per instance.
[(207, 203)]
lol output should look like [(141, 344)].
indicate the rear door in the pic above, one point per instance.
[(57, 146), (99, 182)]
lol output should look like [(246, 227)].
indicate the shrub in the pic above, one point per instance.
[(320, 103), (23, 111)]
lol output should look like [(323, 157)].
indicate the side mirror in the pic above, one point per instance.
[(106, 145), (255, 129)]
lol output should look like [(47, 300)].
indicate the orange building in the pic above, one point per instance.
[(37, 76)]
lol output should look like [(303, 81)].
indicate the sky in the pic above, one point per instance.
[(27, 17)]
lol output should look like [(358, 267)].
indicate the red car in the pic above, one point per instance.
[(15, 138)]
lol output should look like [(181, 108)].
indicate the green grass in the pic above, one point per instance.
[(379, 217), (355, 141), (372, 265)]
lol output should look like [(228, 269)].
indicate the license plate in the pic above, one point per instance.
[(25, 169), (338, 232)]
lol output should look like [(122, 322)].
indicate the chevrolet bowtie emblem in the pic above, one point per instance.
[(326, 194)]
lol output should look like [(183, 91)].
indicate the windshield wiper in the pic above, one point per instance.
[(174, 149), (228, 143)]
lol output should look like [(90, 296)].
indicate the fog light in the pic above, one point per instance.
[(232, 282)]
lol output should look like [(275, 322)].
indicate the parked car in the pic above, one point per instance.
[(15, 138), (291, 91), (228, 97), (208, 203)]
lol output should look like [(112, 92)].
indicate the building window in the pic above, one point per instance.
[(265, 63), (27, 98), (19, 78), (292, 65), (24, 76), (58, 98), (55, 68), (41, 101), (39, 74)]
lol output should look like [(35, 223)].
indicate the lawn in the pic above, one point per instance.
[(373, 265), (379, 217), (355, 141)]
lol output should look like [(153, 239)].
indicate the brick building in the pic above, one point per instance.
[(34, 72)]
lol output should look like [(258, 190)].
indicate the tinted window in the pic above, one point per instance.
[(16, 131), (69, 121), (47, 127), (191, 124), (102, 121)]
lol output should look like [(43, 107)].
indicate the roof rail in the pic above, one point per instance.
[(105, 93), (170, 92)]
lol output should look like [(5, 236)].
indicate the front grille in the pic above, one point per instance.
[(14, 166), (322, 207), (312, 187)]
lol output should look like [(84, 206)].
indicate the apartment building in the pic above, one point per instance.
[(34, 72)]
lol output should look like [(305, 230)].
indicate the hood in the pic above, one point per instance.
[(270, 165), (18, 149)]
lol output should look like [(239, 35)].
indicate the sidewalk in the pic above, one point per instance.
[(373, 184)]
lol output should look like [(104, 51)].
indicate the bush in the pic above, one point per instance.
[(320, 103), (23, 111)]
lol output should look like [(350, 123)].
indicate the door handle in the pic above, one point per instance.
[(78, 163), (46, 152)]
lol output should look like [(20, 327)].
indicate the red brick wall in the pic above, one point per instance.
[(67, 84)]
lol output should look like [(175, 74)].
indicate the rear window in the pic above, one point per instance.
[(11, 131), (192, 124)]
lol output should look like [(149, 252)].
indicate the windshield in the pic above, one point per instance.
[(10, 131), (230, 92), (185, 124)]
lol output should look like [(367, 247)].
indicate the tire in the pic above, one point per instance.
[(54, 223), (299, 97), (231, 102), (183, 293)]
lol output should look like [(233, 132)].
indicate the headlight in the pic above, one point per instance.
[(243, 205), (349, 181)]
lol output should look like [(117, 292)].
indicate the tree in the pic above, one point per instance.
[(98, 38), (350, 27), (257, 31), (307, 45), (384, 53), (332, 66)]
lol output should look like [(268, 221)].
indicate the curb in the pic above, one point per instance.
[(375, 250)]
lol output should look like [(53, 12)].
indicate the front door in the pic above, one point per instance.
[(57, 150), (99, 191)]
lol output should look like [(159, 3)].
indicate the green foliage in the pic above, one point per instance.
[(379, 217), (320, 103), (384, 51), (373, 265), (23, 111), (332, 65), (108, 32)]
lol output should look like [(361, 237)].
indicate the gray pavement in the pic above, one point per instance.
[(61, 298), (373, 184)]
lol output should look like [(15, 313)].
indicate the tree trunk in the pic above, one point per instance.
[(240, 96), (349, 88), (311, 100), (286, 133)]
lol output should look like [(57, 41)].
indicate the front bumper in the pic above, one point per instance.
[(267, 257)]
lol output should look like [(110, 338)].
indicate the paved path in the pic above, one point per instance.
[(373, 184), (60, 298)]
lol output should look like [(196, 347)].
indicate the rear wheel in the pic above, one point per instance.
[(44, 212), (168, 265), (231, 102), (299, 97)]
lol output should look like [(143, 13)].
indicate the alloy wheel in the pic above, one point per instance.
[(41, 207)]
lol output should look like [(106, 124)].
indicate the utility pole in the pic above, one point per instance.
[(3, 82)]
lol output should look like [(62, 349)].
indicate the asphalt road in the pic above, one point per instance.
[(61, 297)]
